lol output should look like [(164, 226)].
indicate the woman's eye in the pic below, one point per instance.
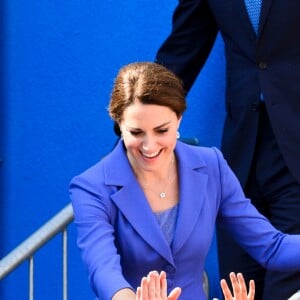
[(161, 131), (135, 133)]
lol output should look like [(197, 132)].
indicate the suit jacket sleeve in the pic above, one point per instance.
[(93, 218), (270, 247), (193, 34)]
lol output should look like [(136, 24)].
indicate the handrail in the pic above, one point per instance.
[(39, 238)]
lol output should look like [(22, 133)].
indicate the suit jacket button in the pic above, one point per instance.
[(262, 65)]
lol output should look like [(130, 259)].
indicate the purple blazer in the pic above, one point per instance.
[(121, 241)]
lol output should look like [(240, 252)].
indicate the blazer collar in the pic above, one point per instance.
[(131, 200)]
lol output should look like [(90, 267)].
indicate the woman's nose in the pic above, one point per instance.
[(148, 144)]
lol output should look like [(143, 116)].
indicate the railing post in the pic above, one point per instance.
[(31, 276), (65, 264), (27, 249)]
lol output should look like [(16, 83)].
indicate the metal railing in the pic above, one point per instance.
[(26, 250)]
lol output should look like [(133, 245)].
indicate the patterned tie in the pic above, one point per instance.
[(253, 8)]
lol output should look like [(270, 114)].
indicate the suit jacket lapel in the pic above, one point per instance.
[(131, 201), (192, 185), (266, 5), (241, 13)]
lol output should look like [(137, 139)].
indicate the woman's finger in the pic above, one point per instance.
[(226, 290), (235, 285), (251, 290), (175, 293), (152, 285), (163, 285), (242, 284)]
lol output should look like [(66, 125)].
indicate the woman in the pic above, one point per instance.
[(153, 202)]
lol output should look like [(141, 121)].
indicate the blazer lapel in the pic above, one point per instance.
[(266, 5), (241, 13), (131, 201), (192, 187)]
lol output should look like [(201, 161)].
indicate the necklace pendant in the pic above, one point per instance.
[(162, 195)]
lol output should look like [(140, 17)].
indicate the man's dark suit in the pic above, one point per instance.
[(266, 65)]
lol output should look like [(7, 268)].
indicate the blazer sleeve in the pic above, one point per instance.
[(93, 218), (251, 230), (193, 34)]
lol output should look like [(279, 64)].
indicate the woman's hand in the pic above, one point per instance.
[(154, 287), (239, 288)]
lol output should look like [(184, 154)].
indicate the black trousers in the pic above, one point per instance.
[(276, 194)]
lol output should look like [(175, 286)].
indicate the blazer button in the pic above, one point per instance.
[(255, 106), (262, 65)]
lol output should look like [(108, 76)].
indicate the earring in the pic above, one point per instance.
[(177, 135)]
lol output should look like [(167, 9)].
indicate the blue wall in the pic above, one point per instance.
[(57, 63)]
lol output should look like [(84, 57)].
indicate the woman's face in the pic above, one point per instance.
[(149, 134)]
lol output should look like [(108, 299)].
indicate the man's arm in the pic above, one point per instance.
[(193, 34)]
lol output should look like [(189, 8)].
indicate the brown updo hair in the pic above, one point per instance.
[(148, 83)]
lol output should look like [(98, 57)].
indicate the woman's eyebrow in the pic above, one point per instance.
[(155, 128), (162, 125)]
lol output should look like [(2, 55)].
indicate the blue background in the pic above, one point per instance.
[(58, 60)]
